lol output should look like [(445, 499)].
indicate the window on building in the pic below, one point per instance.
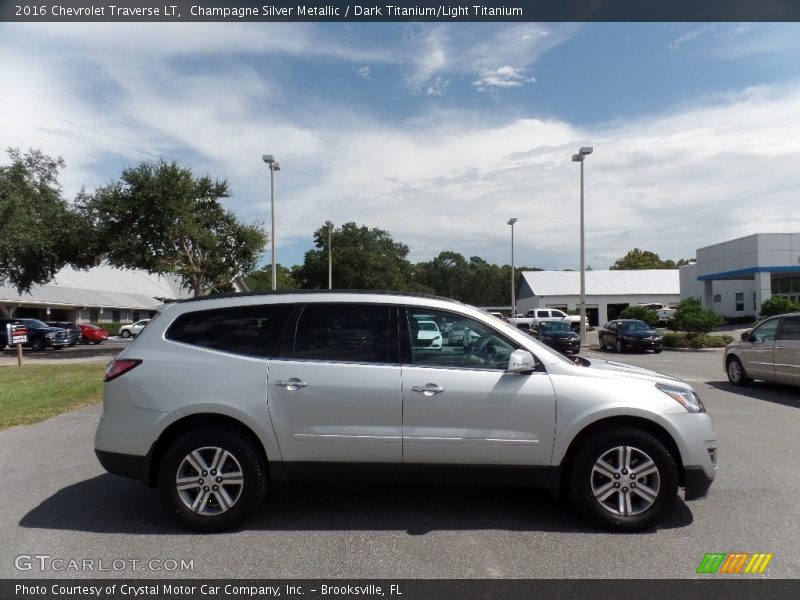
[(754, 301), (116, 316), (717, 298), (739, 301)]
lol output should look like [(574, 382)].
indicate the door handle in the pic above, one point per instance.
[(429, 389), (291, 384)]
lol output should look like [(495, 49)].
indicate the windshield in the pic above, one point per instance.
[(554, 326), (635, 326), (33, 323)]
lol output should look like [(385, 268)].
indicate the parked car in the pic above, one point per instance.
[(92, 334), (40, 335), (18, 332), (664, 313), (428, 335), (135, 329), (534, 316), (630, 334), (219, 397), (769, 351), (559, 335), (72, 329)]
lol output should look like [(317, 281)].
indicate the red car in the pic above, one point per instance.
[(92, 333)]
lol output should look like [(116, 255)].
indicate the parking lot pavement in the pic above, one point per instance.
[(57, 501), (81, 353)]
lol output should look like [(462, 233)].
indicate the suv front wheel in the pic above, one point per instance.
[(212, 479), (623, 480)]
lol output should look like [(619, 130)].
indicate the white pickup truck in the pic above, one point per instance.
[(665, 313), (536, 315)]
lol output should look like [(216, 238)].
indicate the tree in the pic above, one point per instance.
[(648, 315), (691, 317), (40, 232), (161, 218), (363, 258), (645, 259), (777, 305), (262, 278)]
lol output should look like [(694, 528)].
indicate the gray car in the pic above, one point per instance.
[(218, 398), (769, 351)]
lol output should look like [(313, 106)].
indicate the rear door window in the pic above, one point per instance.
[(248, 330), (359, 333)]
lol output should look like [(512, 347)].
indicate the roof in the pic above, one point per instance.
[(102, 286), (605, 283)]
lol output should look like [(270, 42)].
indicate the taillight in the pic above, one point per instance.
[(120, 366)]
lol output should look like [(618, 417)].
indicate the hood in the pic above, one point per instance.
[(560, 334), (640, 335), (634, 372)]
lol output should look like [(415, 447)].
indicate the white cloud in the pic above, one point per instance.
[(363, 71), (502, 77)]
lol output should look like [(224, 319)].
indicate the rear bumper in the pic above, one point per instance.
[(696, 483), (127, 465)]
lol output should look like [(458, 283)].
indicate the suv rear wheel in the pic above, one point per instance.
[(212, 479), (623, 480)]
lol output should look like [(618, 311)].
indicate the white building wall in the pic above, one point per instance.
[(601, 303)]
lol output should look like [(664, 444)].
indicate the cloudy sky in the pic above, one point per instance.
[(436, 132)]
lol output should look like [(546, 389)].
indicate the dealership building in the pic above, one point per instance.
[(733, 278), (103, 293), (607, 292)]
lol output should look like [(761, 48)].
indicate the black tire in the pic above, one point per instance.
[(245, 497), (736, 373), (97, 342), (656, 350), (645, 513), (37, 344), (619, 346), (125, 333)]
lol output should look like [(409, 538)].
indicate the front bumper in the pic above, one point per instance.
[(126, 465), (564, 345), (696, 483), (639, 344)]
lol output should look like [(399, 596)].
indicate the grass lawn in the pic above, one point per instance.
[(37, 392)]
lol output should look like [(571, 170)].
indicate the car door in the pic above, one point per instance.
[(334, 390), (786, 351), (608, 335), (461, 407), (757, 353)]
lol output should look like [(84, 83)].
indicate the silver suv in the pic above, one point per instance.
[(218, 398)]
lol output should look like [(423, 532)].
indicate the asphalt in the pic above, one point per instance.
[(58, 502)]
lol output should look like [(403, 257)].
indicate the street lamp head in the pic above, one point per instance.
[(512, 220), (268, 158), (328, 224), (585, 150), (275, 166), (577, 158)]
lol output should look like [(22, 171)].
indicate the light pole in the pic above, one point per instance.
[(579, 157), (511, 222), (273, 166), (330, 256)]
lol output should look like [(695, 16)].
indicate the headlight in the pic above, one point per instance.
[(49, 336), (686, 398)]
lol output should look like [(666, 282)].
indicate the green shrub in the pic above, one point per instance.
[(743, 320), (776, 305), (648, 315), (682, 340), (694, 320)]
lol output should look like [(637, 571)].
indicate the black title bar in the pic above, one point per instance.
[(399, 10)]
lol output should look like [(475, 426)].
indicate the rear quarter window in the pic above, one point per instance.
[(247, 330)]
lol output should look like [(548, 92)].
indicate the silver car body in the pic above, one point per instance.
[(307, 412), (770, 351)]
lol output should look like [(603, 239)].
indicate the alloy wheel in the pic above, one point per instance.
[(209, 481), (625, 481)]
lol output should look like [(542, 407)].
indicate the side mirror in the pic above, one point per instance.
[(521, 361), (746, 337)]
